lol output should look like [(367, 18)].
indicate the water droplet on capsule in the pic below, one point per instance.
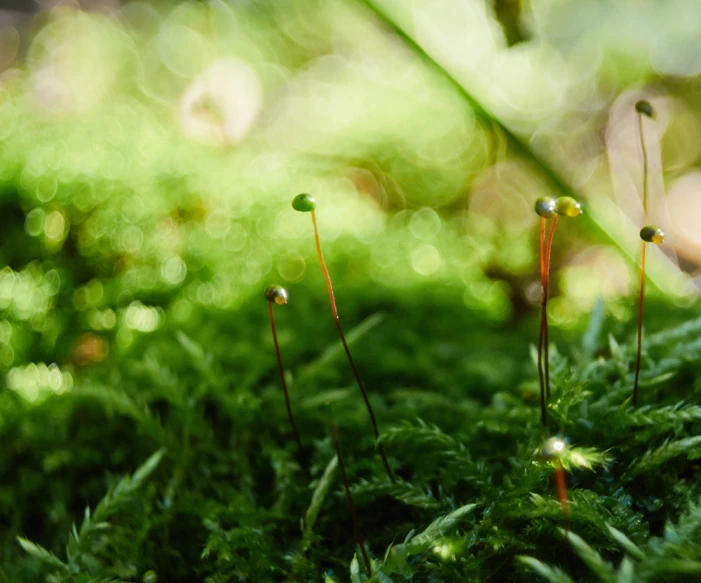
[(652, 234), (566, 206), (276, 294)]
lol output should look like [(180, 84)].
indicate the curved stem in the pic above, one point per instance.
[(640, 325), (542, 328), (284, 384), (356, 524), (546, 287), (332, 299)]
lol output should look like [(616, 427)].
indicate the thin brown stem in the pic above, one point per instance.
[(642, 264), (284, 385), (546, 342), (640, 325), (541, 332), (356, 524), (332, 299), (562, 493)]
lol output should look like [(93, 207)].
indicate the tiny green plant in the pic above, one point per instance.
[(649, 234), (276, 294), (349, 497), (545, 208), (305, 203)]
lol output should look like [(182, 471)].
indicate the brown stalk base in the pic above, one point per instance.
[(356, 524), (284, 388)]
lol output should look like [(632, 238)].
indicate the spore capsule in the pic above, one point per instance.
[(276, 294)]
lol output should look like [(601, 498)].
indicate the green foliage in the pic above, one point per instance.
[(475, 498), (553, 575), (670, 557), (132, 321), (318, 497), (88, 552)]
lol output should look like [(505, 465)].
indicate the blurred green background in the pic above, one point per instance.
[(149, 153)]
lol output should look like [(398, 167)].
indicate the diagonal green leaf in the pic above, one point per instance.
[(628, 545), (335, 350), (425, 540), (551, 574), (591, 557), (318, 497), (626, 572), (39, 552)]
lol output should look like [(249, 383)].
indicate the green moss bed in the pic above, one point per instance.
[(174, 460)]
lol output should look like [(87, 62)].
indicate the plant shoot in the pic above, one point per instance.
[(305, 203), (276, 294)]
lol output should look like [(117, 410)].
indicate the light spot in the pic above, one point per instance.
[(46, 188), (218, 224), (55, 227), (425, 259), (558, 446), (102, 319), (34, 222), (36, 382), (292, 267), (173, 270), (236, 238), (132, 239), (223, 103), (425, 224), (445, 551), (142, 318)]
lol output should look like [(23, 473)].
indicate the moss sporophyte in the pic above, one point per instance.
[(648, 234), (276, 294), (546, 208), (305, 203)]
